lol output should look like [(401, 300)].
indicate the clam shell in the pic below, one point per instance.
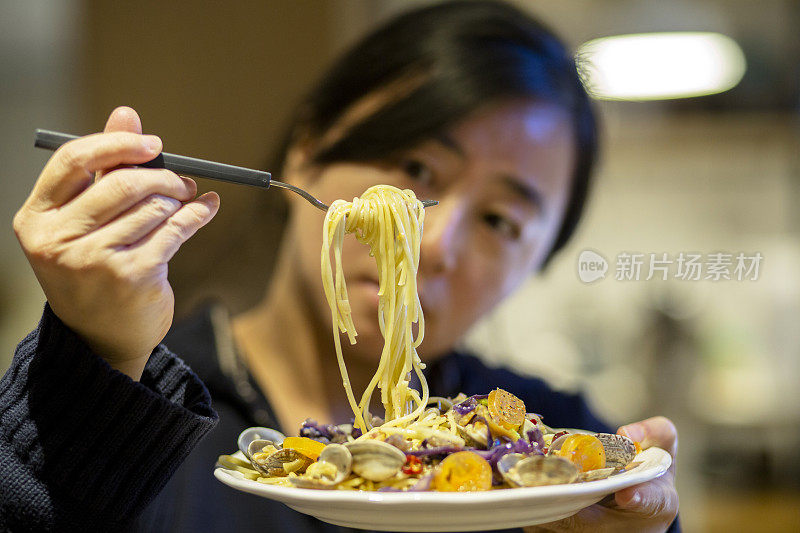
[(337, 455), (254, 433), (556, 444), (258, 445), (399, 442), (594, 475), (375, 460), (476, 437), (620, 450), (536, 470), (273, 464), (527, 426)]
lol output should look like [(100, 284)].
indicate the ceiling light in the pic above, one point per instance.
[(656, 66)]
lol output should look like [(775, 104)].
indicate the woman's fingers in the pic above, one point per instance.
[(649, 499), (71, 169), (117, 192), (657, 497), (654, 509), (162, 243), (100, 250), (138, 221)]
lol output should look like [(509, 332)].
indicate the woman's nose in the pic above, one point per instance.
[(442, 237)]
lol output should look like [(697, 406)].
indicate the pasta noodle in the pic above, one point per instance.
[(389, 221)]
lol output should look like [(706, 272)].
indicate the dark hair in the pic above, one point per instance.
[(448, 60)]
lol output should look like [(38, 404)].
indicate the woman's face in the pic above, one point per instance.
[(502, 178)]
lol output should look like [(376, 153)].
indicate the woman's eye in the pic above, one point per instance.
[(417, 171), (503, 226)]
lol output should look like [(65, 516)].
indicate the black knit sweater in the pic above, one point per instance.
[(82, 446)]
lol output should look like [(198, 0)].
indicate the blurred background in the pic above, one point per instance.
[(715, 173)]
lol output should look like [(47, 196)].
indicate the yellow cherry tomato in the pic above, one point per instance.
[(506, 409), (462, 472), (584, 451), (308, 447)]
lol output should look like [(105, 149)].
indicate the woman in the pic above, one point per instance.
[(470, 103)]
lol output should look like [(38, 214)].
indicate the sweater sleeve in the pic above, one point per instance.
[(82, 446)]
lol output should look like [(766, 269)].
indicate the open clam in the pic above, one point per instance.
[(475, 434), (260, 446), (375, 460), (332, 467), (257, 452), (258, 433), (264, 448), (281, 462), (536, 470)]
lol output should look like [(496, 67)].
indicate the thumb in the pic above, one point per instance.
[(657, 431), (123, 119)]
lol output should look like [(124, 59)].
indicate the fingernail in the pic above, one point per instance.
[(190, 184), (152, 143), (211, 199), (634, 432), (636, 499)]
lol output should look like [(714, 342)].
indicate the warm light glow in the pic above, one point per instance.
[(656, 66)]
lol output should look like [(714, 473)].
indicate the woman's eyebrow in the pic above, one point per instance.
[(523, 189), (450, 143)]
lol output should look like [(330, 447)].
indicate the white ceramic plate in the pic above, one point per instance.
[(443, 511)]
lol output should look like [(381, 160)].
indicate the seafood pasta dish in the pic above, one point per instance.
[(470, 443), (466, 443)]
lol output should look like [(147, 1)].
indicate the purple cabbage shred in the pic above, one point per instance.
[(469, 405), (325, 433), (500, 449), (466, 406), (439, 450), (535, 437)]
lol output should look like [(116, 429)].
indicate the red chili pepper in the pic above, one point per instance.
[(413, 465)]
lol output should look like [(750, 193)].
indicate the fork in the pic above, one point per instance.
[(200, 168)]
